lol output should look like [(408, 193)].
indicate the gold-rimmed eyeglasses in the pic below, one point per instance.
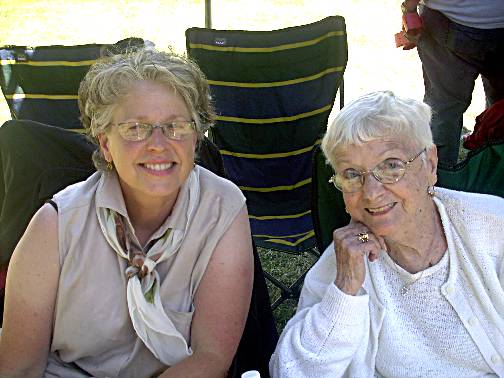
[(388, 171), (138, 131)]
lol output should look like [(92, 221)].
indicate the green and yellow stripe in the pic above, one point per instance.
[(292, 244), (19, 96), (271, 156), (271, 217), (259, 121), (276, 188), (287, 46), (277, 83), (48, 63)]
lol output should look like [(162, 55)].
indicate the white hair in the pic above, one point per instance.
[(376, 116)]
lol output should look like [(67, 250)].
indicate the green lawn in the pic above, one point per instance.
[(286, 268)]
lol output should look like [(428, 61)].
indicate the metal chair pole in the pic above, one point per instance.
[(208, 14)]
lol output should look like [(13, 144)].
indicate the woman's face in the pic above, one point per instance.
[(389, 210), (154, 168)]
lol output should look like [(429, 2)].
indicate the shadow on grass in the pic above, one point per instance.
[(286, 268)]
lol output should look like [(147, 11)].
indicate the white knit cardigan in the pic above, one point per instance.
[(336, 335)]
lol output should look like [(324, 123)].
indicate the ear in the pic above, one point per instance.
[(104, 146), (432, 161)]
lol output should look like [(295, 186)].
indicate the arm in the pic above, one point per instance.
[(332, 320), (328, 328), (221, 305), (411, 25), (32, 283)]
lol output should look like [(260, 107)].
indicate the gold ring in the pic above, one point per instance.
[(363, 237)]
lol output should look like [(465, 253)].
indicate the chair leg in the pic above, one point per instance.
[(342, 93), (315, 252), (286, 292)]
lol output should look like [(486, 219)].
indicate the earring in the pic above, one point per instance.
[(110, 166), (431, 191)]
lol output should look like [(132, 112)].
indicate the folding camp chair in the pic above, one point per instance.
[(273, 91), (480, 172), (38, 160), (41, 83)]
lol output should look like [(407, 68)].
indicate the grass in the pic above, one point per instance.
[(287, 268)]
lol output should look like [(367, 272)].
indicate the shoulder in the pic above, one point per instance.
[(216, 186), (472, 206), (45, 218), (41, 234), (78, 194), (477, 219)]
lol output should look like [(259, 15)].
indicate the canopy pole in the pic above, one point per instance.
[(208, 14)]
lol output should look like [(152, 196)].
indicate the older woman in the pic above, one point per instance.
[(145, 268), (414, 285)]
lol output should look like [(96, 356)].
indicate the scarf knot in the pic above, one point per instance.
[(140, 265), (145, 307)]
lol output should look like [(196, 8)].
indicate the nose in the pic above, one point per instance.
[(371, 187), (157, 141)]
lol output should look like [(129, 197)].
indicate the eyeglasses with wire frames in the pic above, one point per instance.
[(138, 131), (388, 171)]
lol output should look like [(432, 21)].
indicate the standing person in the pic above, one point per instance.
[(146, 268), (460, 39), (413, 286)]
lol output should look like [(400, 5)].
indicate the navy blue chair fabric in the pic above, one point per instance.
[(273, 91)]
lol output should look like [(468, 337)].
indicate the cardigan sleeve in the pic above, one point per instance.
[(327, 330)]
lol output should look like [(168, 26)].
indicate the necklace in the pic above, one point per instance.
[(404, 290), (430, 260), (406, 287)]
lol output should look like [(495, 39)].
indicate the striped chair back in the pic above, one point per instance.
[(273, 91), (41, 83)]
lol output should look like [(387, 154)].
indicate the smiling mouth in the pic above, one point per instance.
[(158, 167), (380, 210)]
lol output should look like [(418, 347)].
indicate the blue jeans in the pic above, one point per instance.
[(452, 57)]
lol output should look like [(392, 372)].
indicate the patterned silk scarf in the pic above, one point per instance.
[(149, 319)]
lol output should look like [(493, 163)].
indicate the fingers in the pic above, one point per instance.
[(378, 239), (352, 244), (357, 237)]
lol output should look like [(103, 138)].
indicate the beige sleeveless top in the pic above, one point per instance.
[(93, 334)]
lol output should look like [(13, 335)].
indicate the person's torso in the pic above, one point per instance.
[(421, 334), (480, 14), (92, 326)]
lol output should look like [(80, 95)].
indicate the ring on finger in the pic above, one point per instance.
[(363, 237)]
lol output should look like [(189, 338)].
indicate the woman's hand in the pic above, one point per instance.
[(352, 244)]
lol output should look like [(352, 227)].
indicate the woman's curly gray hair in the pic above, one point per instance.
[(110, 79)]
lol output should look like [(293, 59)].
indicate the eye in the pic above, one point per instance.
[(129, 127), (180, 129), (391, 165), (134, 131), (350, 174), (142, 127)]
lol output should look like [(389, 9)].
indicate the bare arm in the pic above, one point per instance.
[(221, 305), (32, 283)]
